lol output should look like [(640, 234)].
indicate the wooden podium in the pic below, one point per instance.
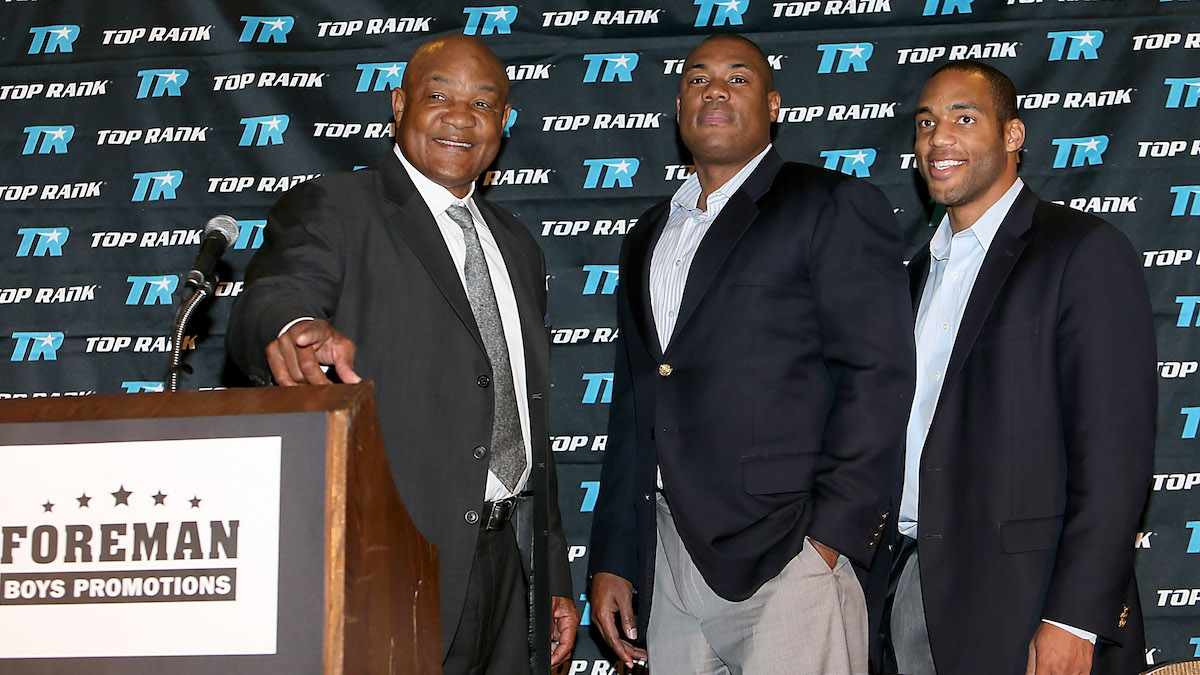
[(363, 601)]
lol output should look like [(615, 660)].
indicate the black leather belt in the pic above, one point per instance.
[(497, 514)]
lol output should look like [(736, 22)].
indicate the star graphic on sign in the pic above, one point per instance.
[(1092, 144), (195, 502), (277, 24), (860, 158), (63, 32), (83, 500), (274, 123), (166, 179), (58, 133), (622, 166), (1086, 38), (856, 51), (122, 496), (732, 4), (53, 236), (501, 14), (162, 283), (160, 499), (171, 76), (622, 61), (47, 507), (392, 70), (48, 340)]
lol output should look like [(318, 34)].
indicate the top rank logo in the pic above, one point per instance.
[(944, 7), (42, 241), (383, 76), (1084, 151), (617, 67), (53, 139), (720, 12), (264, 29), (856, 162), (161, 82), (1078, 44), (50, 39), (1178, 85), (488, 20), (617, 172), (36, 346), (847, 55)]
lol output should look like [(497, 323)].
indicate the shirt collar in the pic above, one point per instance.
[(436, 197), (983, 230), (688, 194)]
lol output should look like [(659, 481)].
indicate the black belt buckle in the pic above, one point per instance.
[(500, 513)]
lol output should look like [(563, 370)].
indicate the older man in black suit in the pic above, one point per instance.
[(402, 274)]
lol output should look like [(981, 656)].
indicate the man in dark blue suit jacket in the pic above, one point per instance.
[(768, 382), (1031, 437)]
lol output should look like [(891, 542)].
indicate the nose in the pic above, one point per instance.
[(942, 136), (459, 116), (716, 91)]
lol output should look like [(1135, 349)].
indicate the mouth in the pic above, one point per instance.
[(943, 167), (715, 116), (454, 144)]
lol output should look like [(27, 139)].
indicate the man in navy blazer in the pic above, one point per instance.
[(1031, 436), (762, 378)]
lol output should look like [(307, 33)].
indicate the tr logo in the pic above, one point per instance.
[(608, 275), (50, 39), (1083, 151), (251, 234), (42, 241), (847, 55), (488, 20), (1179, 85), (268, 128), (618, 67), (155, 185), (383, 76), (36, 346), (151, 290), (1184, 195), (599, 388), (161, 82), (1077, 44), (53, 140), (856, 162), (263, 29), (609, 173), (944, 7), (720, 12)]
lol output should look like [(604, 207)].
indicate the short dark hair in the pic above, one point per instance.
[(766, 63), (1004, 94)]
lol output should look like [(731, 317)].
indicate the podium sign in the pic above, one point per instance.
[(241, 541)]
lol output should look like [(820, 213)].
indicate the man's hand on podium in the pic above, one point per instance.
[(296, 356)]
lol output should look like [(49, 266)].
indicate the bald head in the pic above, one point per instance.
[(438, 52), (450, 110)]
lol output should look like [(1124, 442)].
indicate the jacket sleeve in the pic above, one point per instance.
[(866, 330), (1108, 391)]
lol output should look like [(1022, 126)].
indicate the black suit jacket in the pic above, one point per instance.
[(791, 371), (1038, 459), (362, 250)]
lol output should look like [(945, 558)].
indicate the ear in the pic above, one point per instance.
[(1014, 135), (398, 103), (773, 103), (677, 108)]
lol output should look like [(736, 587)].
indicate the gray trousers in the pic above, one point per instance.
[(808, 619), (910, 635)]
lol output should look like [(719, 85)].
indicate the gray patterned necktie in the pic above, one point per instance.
[(508, 445)]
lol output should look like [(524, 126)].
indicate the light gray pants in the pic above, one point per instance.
[(808, 619), (910, 635)]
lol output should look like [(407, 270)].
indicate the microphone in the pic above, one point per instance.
[(219, 233)]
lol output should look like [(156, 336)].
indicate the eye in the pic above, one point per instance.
[(699, 79), (437, 96), (483, 104), (967, 119), (739, 79), (924, 123)]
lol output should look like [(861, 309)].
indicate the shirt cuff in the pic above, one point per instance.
[(291, 323), (1090, 637)]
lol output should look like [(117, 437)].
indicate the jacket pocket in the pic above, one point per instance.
[(777, 474), (1033, 534)]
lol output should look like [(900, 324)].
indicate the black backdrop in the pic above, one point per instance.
[(127, 125)]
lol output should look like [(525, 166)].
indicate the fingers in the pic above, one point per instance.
[(612, 597), (564, 642), (296, 356)]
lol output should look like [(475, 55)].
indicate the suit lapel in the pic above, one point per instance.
[(416, 225), (1001, 257), (636, 284), (739, 212)]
